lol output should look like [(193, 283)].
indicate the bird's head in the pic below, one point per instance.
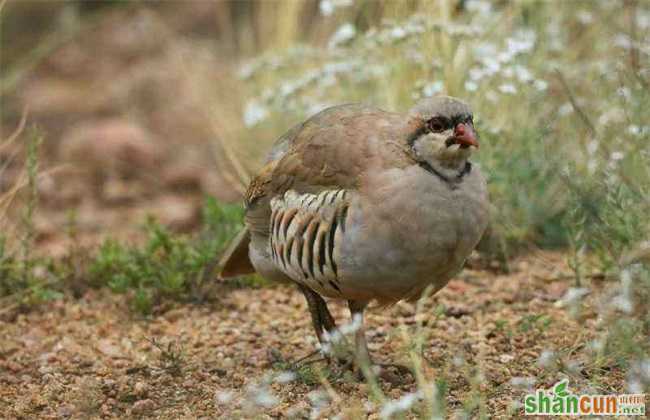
[(445, 135)]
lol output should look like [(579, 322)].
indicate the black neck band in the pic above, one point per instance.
[(450, 181)]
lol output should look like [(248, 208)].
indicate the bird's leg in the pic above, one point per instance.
[(315, 304), (326, 318), (364, 361), (323, 321), (360, 343)]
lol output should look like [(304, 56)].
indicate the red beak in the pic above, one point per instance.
[(465, 135)]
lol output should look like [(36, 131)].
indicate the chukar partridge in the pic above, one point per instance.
[(361, 204)]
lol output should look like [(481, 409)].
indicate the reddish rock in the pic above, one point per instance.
[(111, 147)]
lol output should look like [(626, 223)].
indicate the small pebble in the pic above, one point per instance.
[(143, 406), (140, 389)]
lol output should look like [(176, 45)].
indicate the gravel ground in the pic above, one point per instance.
[(91, 358)]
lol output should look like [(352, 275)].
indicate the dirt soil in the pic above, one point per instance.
[(91, 358)]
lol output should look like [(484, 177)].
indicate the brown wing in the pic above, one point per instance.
[(330, 150)]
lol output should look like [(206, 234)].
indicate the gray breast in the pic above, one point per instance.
[(410, 230)]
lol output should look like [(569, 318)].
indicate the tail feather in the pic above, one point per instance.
[(235, 261)]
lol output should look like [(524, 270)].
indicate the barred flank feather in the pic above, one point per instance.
[(304, 230)]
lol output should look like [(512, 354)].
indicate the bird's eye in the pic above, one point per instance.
[(438, 124)]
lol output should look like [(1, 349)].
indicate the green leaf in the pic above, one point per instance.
[(560, 388)]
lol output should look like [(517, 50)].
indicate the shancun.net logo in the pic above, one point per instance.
[(560, 401)]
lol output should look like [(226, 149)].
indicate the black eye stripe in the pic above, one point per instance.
[(446, 123), (438, 124)]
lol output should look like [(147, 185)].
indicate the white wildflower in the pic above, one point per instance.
[(400, 405), (340, 67), (288, 88), (491, 66), (615, 156), (508, 88), (572, 296), (223, 397), (584, 17), (397, 33), (612, 115), (343, 34), (315, 108), (261, 396), (327, 7), (522, 73), (415, 56), (540, 85), (246, 71), (413, 27), (592, 147), (265, 399), (471, 86), (254, 113), (485, 50), (624, 92), (643, 18), (623, 41), (635, 386), (506, 358), (633, 129), (461, 30), (597, 345), (505, 56), (431, 89), (565, 109), (481, 7), (574, 367), (522, 42), (546, 359), (526, 382), (319, 400), (623, 304), (638, 131), (285, 377), (476, 74)]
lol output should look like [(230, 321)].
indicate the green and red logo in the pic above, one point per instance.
[(559, 401)]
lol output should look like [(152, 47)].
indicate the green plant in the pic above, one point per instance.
[(171, 358), (26, 279), (167, 265)]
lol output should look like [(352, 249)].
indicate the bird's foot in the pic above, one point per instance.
[(395, 373)]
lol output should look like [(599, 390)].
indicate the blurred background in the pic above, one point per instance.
[(130, 129), (146, 107)]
